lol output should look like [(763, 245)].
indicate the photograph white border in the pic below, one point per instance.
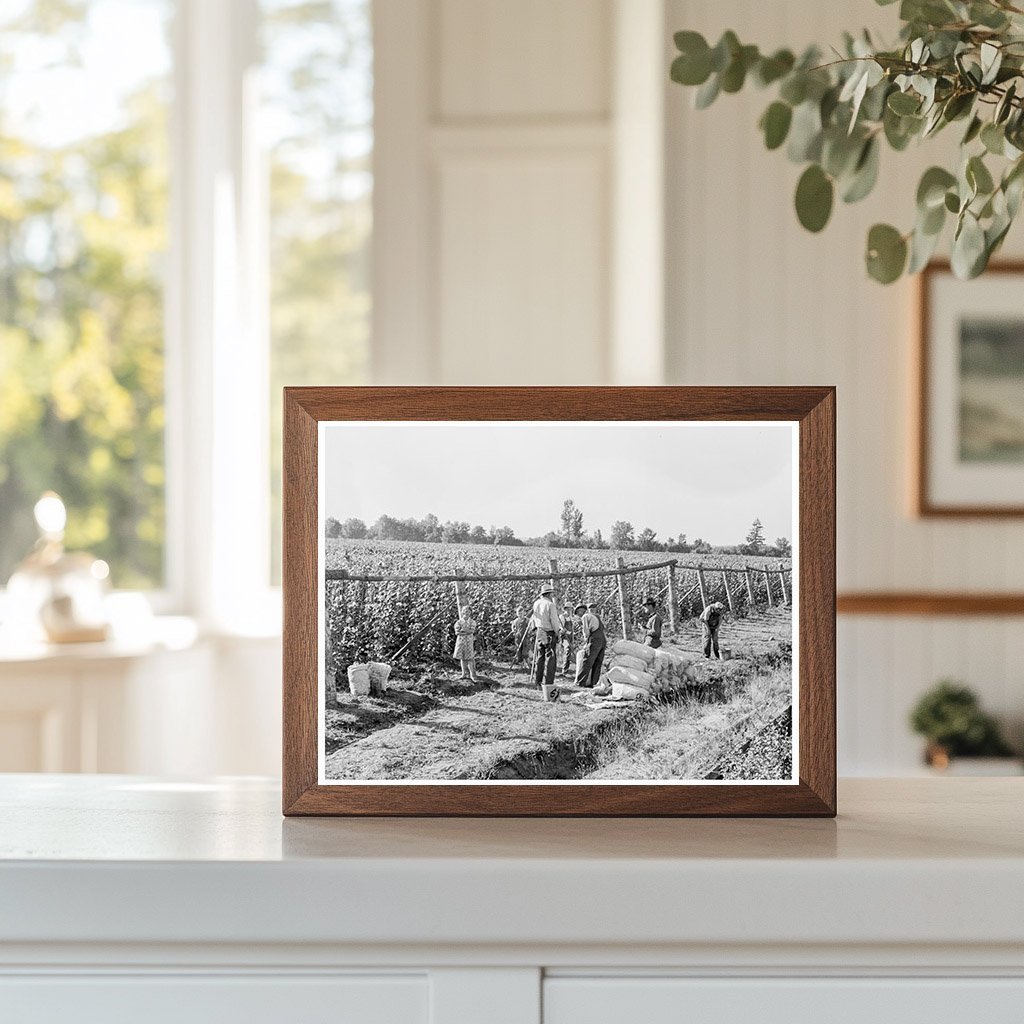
[(794, 780)]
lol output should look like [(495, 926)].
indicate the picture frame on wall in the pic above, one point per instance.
[(969, 448), (559, 601)]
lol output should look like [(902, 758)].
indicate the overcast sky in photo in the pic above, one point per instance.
[(707, 480)]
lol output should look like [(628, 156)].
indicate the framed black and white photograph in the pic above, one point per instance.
[(519, 601), (970, 451)]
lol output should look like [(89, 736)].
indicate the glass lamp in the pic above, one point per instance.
[(54, 595)]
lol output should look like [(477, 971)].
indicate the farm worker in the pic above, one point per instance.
[(465, 628), (569, 640), (710, 620), (594, 643), (654, 623), (549, 630)]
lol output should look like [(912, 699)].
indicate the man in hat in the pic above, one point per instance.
[(710, 620), (654, 623), (549, 631), (594, 643)]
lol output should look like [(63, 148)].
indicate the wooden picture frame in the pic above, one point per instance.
[(925, 502), (810, 409)]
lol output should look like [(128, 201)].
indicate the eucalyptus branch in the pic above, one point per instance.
[(954, 60)]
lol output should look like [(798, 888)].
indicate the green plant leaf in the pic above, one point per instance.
[(952, 202), (839, 151), (805, 133), (922, 247), (993, 138), (707, 93), (904, 103), (886, 254), (725, 49), (771, 69), (973, 130), (931, 191), (775, 124), (968, 255), (814, 195), (693, 65), (865, 173), (987, 15), (735, 74), (1005, 105), (991, 61), (794, 88), (978, 176)]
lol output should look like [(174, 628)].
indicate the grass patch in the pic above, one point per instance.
[(732, 727)]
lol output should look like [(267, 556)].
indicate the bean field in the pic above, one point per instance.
[(410, 622)]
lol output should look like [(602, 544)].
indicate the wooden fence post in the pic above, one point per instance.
[(768, 587), (750, 586), (728, 590), (623, 606), (553, 565), (460, 595), (782, 578), (672, 598), (703, 586)]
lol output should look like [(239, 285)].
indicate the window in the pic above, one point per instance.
[(83, 236), (317, 117), (239, 217)]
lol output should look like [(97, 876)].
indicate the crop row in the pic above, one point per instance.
[(412, 623)]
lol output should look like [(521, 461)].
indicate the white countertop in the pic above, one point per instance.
[(121, 859)]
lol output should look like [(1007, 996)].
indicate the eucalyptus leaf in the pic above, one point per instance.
[(886, 253), (973, 130), (991, 60), (993, 138), (931, 190), (771, 69), (805, 133), (904, 103), (978, 176), (922, 248), (814, 196), (707, 93), (1005, 105), (724, 51), (968, 248), (955, 60), (775, 124), (865, 173)]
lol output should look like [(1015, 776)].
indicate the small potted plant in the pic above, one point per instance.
[(950, 718)]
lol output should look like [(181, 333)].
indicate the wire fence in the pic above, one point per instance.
[(409, 618)]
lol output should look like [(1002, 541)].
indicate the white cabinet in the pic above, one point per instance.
[(215, 1000), (829, 1000), (129, 899)]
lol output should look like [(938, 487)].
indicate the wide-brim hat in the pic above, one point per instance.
[(547, 589), (650, 601), (581, 607)]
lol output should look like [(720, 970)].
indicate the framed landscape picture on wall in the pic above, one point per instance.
[(970, 444), (572, 601)]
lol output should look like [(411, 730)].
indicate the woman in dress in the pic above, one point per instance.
[(465, 628)]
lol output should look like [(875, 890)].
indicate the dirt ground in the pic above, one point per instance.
[(435, 726)]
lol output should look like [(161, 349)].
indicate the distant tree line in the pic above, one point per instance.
[(623, 537)]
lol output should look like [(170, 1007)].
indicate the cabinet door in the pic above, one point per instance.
[(202, 999), (677, 1000)]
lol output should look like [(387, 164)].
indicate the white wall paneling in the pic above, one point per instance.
[(751, 298), (518, 211)]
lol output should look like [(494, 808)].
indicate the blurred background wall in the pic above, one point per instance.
[(411, 191)]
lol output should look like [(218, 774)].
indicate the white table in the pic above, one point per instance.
[(125, 898)]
